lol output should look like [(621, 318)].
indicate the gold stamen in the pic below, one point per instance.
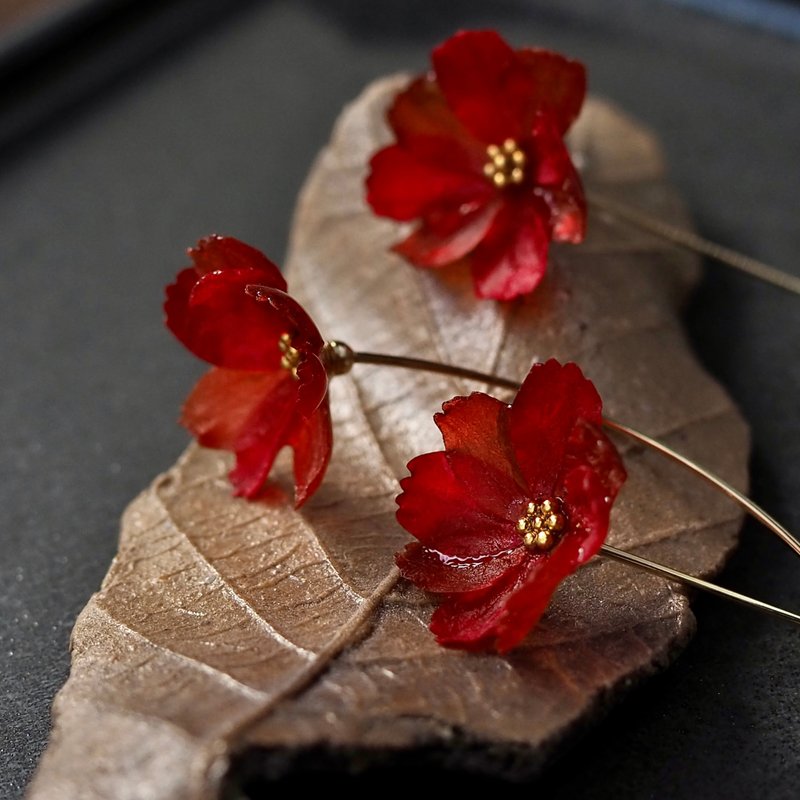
[(542, 524), (290, 360), (505, 164)]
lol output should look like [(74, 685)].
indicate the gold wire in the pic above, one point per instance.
[(691, 241)]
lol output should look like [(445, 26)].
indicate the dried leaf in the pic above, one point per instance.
[(224, 624)]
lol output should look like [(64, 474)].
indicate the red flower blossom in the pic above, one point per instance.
[(480, 161), (268, 387), (518, 500)]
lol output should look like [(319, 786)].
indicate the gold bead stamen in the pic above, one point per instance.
[(506, 164), (290, 359), (542, 524)]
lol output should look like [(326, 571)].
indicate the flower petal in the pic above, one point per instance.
[(588, 509), (477, 426), (403, 187), (470, 621), (312, 379), (220, 408), (295, 321), (471, 68), (552, 400), (552, 84), (264, 434), (557, 181), (224, 252), (588, 446), (512, 258), (220, 323), (312, 441), (447, 235), (447, 515), (433, 572), (425, 125)]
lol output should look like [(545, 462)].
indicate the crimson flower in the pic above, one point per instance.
[(481, 163), (518, 500), (268, 387)]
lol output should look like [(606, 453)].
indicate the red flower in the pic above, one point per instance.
[(268, 387), (518, 500), (481, 163)]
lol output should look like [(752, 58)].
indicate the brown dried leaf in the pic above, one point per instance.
[(224, 624)]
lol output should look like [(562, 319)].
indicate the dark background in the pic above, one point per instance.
[(128, 131)]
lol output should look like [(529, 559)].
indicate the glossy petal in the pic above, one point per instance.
[(477, 426), (265, 433), (558, 182), (220, 323), (449, 516), (216, 253), (294, 319), (589, 447), (433, 572), (554, 85), (589, 513), (404, 187), (470, 621), (250, 413), (448, 234), (471, 68), (550, 402), (425, 125), (223, 403), (312, 441), (512, 259)]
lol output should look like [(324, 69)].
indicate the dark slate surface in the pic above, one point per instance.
[(216, 132)]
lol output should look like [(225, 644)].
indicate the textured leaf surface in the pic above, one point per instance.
[(224, 624)]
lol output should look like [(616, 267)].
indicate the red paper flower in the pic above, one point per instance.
[(268, 387), (480, 161), (518, 500)]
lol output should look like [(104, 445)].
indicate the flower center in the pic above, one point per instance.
[(542, 524), (505, 164), (290, 359)]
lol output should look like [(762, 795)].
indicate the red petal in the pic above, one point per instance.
[(448, 515), (588, 514), (176, 302), (588, 446), (557, 181), (294, 319), (448, 235), (312, 441), (477, 426), (424, 124), (403, 187), (312, 381), (224, 252), (499, 618), (433, 572), (222, 324), (471, 68), (552, 400), (554, 85), (470, 622), (220, 408), (512, 259), (264, 434)]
